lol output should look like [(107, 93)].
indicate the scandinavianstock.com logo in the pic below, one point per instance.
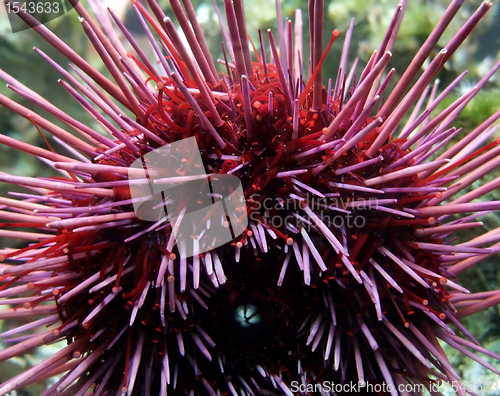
[(169, 185)]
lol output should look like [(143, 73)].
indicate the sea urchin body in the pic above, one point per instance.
[(339, 266)]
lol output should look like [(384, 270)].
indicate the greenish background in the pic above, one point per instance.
[(478, 54)]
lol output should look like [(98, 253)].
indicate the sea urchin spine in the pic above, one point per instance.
[(344, 272)]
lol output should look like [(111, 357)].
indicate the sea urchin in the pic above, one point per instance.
[(337, 272)]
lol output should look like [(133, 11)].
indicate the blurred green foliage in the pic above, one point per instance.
[(371, 20)]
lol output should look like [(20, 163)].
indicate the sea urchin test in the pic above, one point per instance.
[(338, 261)]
